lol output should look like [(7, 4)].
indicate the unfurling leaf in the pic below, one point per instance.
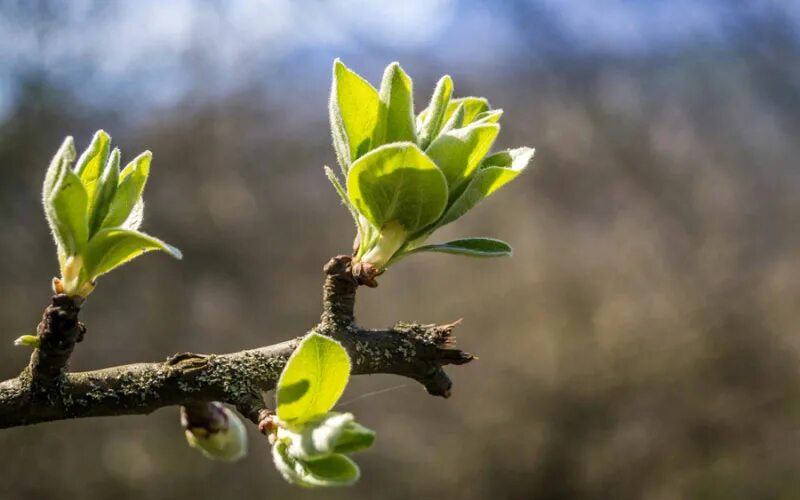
[(331, 433), (459, 152), (90, 164), (496, 171), (333, 470), (397, 182), (62, 160), (432, 118), (472, 247), (313, 380), (473, 106), (66, 211), (354, 115), (104, 194), (129, 191), (397, 98), (110, 248)]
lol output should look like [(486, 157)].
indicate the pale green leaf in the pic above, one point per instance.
[(67, 213), (433, 117), (459, 152), (492, 116), (472, 247), (106, 189), (397, 97), (473, 106), (334, 470), (496, 171), (313, 380), (455, 121), (397, 182), (62, 160), (90, 165), (132, 181), (354, 114), (110, 248), (354, 437), (135, 218), (341, 192), (333, 432)]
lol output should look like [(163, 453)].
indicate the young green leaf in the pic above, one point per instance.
[(455, 121), (129, 191), (67, 213), (354, 437), (135, 218), (313, 380), (433, 117), (333, 432), (90, 164), (472, 247), (61, 161), (398, 100), (354, 115), (110, 248), (473, 106), (496, 171), (459, 152), (106, 189), (342, 194), (334, 470), (397, 182), (491, 116)]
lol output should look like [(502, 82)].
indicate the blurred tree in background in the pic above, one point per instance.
[(640, 344)]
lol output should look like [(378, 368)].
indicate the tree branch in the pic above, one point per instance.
[(407, 349)]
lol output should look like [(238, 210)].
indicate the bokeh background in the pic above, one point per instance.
[(642, 342)]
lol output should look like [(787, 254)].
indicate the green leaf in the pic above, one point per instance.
[(313, 380), (398, 99), (67, 213), (459, 152), (473, 106), (496, 171), (110, 248), (433, 116), (354, 437), (454, 122), (90, 164), (354, 114), (472, 247), (341, 192), (135, 218), (334, 470), (515, 159), (492, 116), (106, 188), (322, 436), (62, 160), (397, 182), (129, 191)]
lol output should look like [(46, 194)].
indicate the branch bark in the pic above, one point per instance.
[(407, 349)]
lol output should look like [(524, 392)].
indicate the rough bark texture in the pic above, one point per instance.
[(46, 391)]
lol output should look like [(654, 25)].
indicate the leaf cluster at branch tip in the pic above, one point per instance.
[(310, 441), (407, 175), (94, 210)]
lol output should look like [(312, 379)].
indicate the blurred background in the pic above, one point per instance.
[(642, 342)]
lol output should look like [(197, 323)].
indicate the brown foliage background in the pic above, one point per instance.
[(642, 343)]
